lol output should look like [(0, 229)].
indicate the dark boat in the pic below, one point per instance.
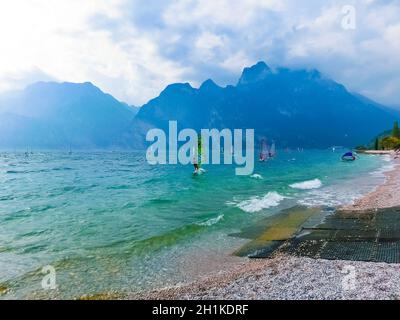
[(349, 156)]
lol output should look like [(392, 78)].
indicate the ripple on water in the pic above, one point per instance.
[(119, 187), (7, 197), (28, 212)]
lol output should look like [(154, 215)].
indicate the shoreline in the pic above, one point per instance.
[(377, 152), (291, 277), (384, 196), (287, 277)]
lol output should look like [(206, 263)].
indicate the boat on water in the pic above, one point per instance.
[(349, 156)]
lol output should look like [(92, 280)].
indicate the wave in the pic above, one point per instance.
[(381, 173), (307, 185), (13, 171), (331, 197), (129, 205), (211, 222), (162, 241), (388, 166), (257, 176), (35, 171), (119, 187), (162, 201), (62, 169), (255, 204), (7, 197), (73, 189)]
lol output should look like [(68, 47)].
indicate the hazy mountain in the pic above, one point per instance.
[(63, 115), (293, 107)]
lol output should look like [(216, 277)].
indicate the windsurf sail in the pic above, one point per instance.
[(198, 153), (272, 152), (199, 150), (264, 150)]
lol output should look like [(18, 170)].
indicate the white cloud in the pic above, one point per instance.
[(233, 14), (235, 62), (208, 41), (134, 52), (19, 79), (56, 37)]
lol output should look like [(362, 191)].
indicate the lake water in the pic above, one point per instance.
[(109, 221)]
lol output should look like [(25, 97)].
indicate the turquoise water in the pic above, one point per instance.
[(109, 221)]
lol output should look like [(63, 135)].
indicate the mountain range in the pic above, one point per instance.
[(63, 115), (293, 107)]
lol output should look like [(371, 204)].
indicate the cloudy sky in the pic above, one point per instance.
[(134, 48)]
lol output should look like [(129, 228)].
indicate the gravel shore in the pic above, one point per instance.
[(289, 277), (293, 278)]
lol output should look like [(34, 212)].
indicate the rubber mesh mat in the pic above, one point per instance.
[(357, 236), (344, 235)]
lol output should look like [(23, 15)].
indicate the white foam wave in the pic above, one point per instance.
[(384, 169), (255, 204), (257, 176), (231, 203), (307, 185), (211, 222), (329, 198), (346, 193), (381, 172)]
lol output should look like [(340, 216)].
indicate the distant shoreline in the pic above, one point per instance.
[(377, 152), (290, 277)]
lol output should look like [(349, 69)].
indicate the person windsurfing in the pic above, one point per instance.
[(197, 156), (264, 153), (272, 150)]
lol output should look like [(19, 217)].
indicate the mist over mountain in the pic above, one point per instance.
[(296, 108), (63, 115), (293, 107)]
